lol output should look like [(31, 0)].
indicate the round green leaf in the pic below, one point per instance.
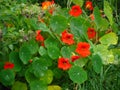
[(97, 63), (33, 46), (58, 23), (19, 86), (51, 42), (38, 85), (65, 51), (25, 54), (105, 54), (42, 51), (81, 62), (48, 77), (54, 87), (77, 74), (7, 77), (53, 52), (39, 68), (14, 58), (110, 38)]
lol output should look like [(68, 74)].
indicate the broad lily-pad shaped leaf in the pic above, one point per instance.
[(14, 58), (38, 85), (25, 54), (48, 77), (54, 87), (105, 54), (7, 77), (58, 23), (19, 86), (110, 38), (97, 63), (77, 74), (65, 51)]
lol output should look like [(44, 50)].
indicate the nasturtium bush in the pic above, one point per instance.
[(44, 46)]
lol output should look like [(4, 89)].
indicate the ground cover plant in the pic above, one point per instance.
[(54, 45)]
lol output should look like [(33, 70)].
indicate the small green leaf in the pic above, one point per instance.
[(105, 54), (14, 58), (58, 23), (108, 11), (25, 54), (51, 42), (30, 76), (77, 74), (97, 63), (78, 2), (53, 52), (65, 51), (7, 77), (81, 62), (38, 85), (42, 51), (48, 77), (54, 87), (79, 27), (19, 86), (39, 68), (110, 38), (33, 46), (43, 27)]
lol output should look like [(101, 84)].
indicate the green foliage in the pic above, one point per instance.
[(19, 85), (7, 77), (58, 23), (77, 74), (37, 63)]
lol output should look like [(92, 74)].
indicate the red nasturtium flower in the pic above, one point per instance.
[(89, 5), (8, 65), (91, 33), (63, 63), (67, 37), (75, 57), (39, 37), (75, 11), (47, 4), (83, 49)]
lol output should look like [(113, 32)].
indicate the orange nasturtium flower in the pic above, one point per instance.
[(47, 4), (91, 33), (39, 37), (67, 38), (63, 63), (8, 65), (75, 11), (89, 5), (83, 49)]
